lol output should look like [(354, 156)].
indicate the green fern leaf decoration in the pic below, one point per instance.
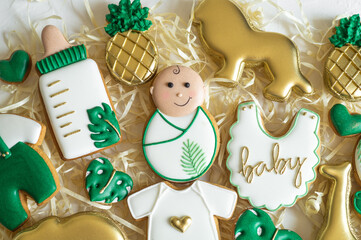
[(193, 159)]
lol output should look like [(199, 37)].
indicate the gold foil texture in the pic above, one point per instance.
[(342, 73), (234, 44), (132, 57)]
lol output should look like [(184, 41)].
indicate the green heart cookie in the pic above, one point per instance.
[(106, 185), (344, 123), (15, 69), (255, 224)]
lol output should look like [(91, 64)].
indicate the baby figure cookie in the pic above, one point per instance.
[(75, 98), (272, 172), (234, 44), (24, 170), (181, 139), (80, 226), (186, 214)]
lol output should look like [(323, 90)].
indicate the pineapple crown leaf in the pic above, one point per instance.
[(349, 31), (125, 16)]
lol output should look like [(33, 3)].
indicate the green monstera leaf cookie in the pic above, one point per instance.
[(255, 224), (106, 185)]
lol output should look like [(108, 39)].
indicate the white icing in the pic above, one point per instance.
[(100, 172), (100, 160), (86, 91), (16, 129), (201, 202), (357, 159), (271, 190), (165, 158)]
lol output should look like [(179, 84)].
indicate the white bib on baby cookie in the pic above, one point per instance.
[(200, 202), (180, 149), (272, 172)]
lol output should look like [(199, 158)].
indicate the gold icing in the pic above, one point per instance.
[(234, 44), (280, 165), (342, 73), (58, 93), (181, 224), (53, 83), (72, 133), (115, 129), (87, 225), (60, 104), (65, 114), (336, 224), (109, 181), (132, 57)]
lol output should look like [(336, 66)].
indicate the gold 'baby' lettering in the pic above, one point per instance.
[(278, 166)]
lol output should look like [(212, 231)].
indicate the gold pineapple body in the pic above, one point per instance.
[(342, 73), (132, 57)]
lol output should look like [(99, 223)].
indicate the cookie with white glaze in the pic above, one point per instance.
[(181, 139), (272, 172), (75, 97), (186, 214)]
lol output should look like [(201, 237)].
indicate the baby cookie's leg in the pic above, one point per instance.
[(283, 65)]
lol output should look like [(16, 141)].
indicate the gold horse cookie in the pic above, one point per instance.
[(227, 36)]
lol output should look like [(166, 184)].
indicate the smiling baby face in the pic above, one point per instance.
[(177, 91)]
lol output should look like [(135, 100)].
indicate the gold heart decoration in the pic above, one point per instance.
[(182, 224)]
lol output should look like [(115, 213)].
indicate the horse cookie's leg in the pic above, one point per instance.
[(284, 68), (232, 69)]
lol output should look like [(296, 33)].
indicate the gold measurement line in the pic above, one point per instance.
[(60, 104), (65, 114), (72, 133), (58, 93), (65, 125), (53, 83)]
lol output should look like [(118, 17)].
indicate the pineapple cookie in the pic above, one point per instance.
[(131, 55)]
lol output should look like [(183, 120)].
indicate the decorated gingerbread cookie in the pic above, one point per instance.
[(105, 184), (343, 64), (16, 68), (272, 172), (24, 170), (348, 124), (131, 55), (75, 98), (186, 214), (181, 139), (234, 44), (255, 224), (337, 221), (85, 225)]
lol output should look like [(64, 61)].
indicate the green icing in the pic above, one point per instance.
[(105, 126), (344, 123), (193, 159), (256, 224), (357, 202), (99, 175), (127, 16), (27, 171), (61, 59), (5, 152), (349, 31), (16, 68)]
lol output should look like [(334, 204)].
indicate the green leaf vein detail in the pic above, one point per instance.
[(193, 159)]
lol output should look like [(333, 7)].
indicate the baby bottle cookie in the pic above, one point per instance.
[(272, 172), (24, 170), (181, 138), (75, 98), (80, 226), (186, 214)]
